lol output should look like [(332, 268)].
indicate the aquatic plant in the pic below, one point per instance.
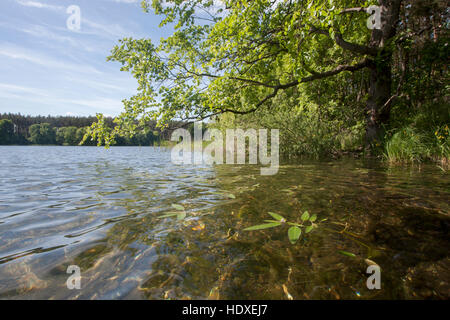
[(295, 230), (180, 213)]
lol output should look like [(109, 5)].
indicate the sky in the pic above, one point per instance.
[(47, 68)]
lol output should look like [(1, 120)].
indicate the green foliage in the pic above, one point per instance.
[(71, 131), (263, 226), (42, 134), (180, 214), (7, 135), (305, 128), (294, 234), (414, 146), (347, 254), (70, 136), (234, 61), (442, 142), (407, 145), (67, 136), (256, 59), (178, 207), (295, 229)]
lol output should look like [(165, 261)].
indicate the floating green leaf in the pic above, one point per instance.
[(230, 195), (172, 214), (181, 215), (263, 226), (294, 233), (313, 218), (277, 216), (178, 207), (309, 229), (305, 216), (348, 254)]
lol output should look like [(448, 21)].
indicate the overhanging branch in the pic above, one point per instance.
[(352, 10), (339, 39), (315, 76)]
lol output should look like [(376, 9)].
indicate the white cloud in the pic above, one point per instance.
[(43, 32), (18, 53), (97, 103), (40, 5), (17, 91), (102, 84), (49, 98), (114, 31)]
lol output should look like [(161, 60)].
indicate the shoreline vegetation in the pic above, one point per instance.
[(404, 147), (17, 129)]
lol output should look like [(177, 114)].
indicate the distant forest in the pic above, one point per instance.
[(17, 129)]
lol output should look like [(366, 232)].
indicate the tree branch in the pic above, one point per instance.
[(352, 68), (353, 47), (316, 76), (352, 10)]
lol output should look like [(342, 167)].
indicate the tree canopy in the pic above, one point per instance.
[(238, 56)]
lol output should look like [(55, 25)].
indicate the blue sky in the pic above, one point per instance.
[(48, 69)]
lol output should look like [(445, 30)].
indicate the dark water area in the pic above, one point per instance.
[(101, 210)]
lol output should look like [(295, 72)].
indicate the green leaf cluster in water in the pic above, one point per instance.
[(295, 230), (180, 214)]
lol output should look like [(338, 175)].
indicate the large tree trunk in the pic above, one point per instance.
[(380, 82), (378, 107)]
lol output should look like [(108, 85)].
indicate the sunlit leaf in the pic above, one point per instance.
[(294, 233), (346, 253), (305, 216), (309, 229), (277, 216), (178, 207), (313, 218), (173, 214), (295, 224), (181, 215), (263, 226)]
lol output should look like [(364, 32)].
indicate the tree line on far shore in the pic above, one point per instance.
[(17, 129)]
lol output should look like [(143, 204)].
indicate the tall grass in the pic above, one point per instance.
[(410, 145)]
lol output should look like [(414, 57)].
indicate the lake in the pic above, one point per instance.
[(101, 210)]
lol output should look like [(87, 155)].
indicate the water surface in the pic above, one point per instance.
[(100, 210)]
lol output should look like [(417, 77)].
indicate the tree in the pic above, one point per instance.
[(7, 135), (67, 136), (70, 136), (35, 134), (80, 134), (237, 57), (60, 132), (42, 134)]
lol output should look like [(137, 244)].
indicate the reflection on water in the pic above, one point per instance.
[(99, 209)]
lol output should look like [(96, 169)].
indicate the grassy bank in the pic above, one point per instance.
[(411, 145)]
